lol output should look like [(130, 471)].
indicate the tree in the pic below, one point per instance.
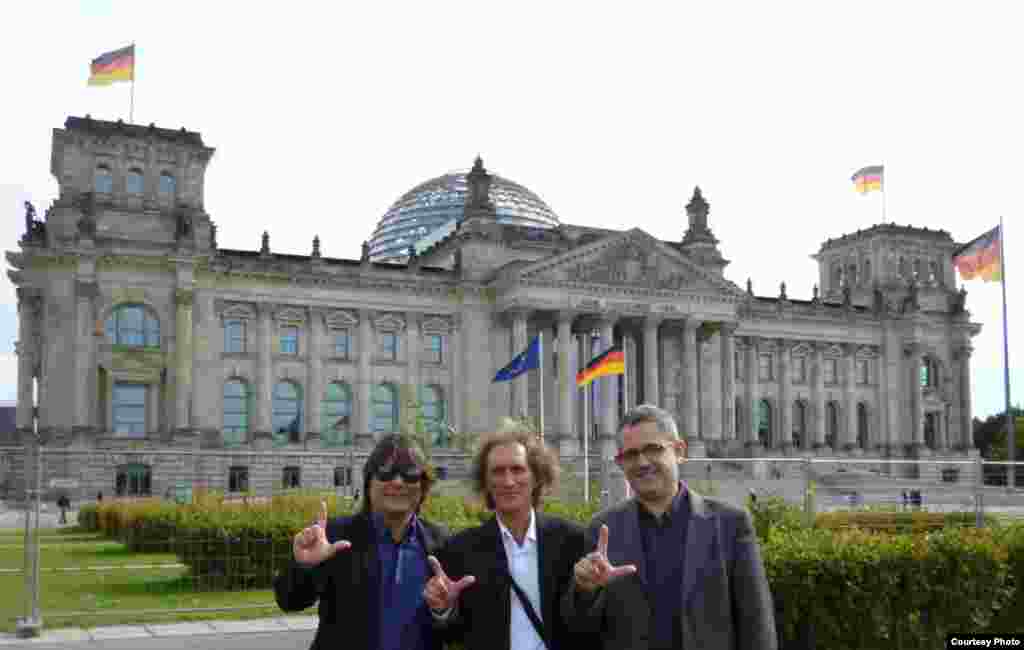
[(990, 438)]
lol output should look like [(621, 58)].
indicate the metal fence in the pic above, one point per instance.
[(55, 571)]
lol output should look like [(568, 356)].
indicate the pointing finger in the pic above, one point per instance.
[(436, 566), (622, 571), (602, 540), (323, 513), (464, 582)]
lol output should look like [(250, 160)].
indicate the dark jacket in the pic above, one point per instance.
[(483, 616), (347, 585), (726, 601)]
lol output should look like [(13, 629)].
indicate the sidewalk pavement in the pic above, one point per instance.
[(163, 631)]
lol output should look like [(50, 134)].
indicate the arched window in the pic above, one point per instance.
[(852, 272), (385, 409), (933, 271), (738, 417), (862, 425), (917, 271), (167, 185), (237, 402), (837, 276), (799, 424), (929, 373), (287, 412), (903, 268), (931, 430), (133, 479), (432, 410), (134, 182), (104, 180), (867, 271), (831, 424), (133, 325), (336, 420), (764, 423)]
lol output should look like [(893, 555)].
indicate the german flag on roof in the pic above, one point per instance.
[(610, 362), (118, 65)]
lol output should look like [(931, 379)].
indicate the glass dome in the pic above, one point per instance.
[(430, 211)]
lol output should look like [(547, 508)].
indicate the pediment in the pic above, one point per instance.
[(340, 319), (389, 322), (238, 310), (630, 259), (436, 325), (801, 349), (290, 315)]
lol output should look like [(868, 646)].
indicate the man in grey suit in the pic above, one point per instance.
[(671, 569)]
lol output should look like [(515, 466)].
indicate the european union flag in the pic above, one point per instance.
[(526, 360)]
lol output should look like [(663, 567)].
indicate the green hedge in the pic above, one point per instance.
[(847, 587)]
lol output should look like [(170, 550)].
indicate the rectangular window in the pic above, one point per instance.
[(764, 370), (863, 371), (433, 348), (389, 346), (830, 370), (737, 362), (129, 406), (800, 369), (291, 477), (289, 340), (238, 479), (342, 344), (234, 335), (342, 477)]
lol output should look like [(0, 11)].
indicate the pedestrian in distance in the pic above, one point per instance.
[(670, 568), (64, 503), (501, 584), (368, 571)]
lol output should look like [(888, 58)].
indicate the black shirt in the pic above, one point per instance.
[(664, 543)]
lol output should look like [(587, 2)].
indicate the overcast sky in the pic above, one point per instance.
[(323, 114)]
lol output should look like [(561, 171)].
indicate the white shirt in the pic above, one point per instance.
[(523, 565)]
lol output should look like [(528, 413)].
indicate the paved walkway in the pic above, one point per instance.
[(202, 634)]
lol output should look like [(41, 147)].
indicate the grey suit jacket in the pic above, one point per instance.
[(726, 601)]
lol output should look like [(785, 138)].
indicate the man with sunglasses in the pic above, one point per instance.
[(368, 570), (514, 569), (671, 569)]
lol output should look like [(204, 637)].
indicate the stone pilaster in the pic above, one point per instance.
[(785, 401), (29, 325), (963, 397), (85, 355), (264, 372), (520, 385), (850, 396), (315, 388), (182, 357), (914, 390), (652, 383), (818, 396), (455, 392), (753, 394), (363, 435), (711, 387), (728, 378), (411, 393), (566, 385)]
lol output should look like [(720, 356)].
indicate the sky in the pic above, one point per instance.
[(323, 114)]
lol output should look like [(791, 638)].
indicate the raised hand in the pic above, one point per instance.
[(310, 547), (441, 592), (594, 570)]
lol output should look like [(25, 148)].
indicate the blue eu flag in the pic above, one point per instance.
[(528, 359)]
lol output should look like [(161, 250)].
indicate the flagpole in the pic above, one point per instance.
[(586, 443), (131, 108), (1011, 433), (883, 193), (540, 367)]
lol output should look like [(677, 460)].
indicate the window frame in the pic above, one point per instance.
[(238, 479), (341, 351), (229, 338), (294, 472), (115, 332), (328, 432), (375, 404), (165, 189), (116, 406), (294, 433), (133, 173), (283, 336), (434, 354), (105, 172), (248, 399)]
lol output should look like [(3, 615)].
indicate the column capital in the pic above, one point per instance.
[(566, 316), (184, 297), (963, 352), (653, 321), (728, 329), (87, 289), (692, 324), (912, 349)]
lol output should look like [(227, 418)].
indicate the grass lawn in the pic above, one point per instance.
[(115, 596)]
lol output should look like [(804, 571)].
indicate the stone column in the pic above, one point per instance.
[(363, 435), (520, 385), (28, 355), (566, 385), (818, 396), (183, 357), (411, 394), (85, 356), (264, 372), (966, 437), (785, 402), (652, 383), (315, 386), (711, 387), (728, 378), (455, 390), (913, 354), (609, 396), (753, 391), (207, 391), (691, 394), (586, 420), (850, 396)]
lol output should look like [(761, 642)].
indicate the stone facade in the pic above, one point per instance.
[(142, 334)]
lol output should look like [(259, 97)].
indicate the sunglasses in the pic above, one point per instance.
[(409, 473), (652, 451)]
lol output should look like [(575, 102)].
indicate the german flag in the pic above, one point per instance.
[(868, 179), (610, 362), (981, 258), (118, 65)]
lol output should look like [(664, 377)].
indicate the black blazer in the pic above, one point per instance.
[(483, 617), (347, 585)]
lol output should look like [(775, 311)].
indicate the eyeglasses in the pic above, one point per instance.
[(409, 473), (652, 451)]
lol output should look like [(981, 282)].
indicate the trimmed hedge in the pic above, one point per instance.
[(837, 585)]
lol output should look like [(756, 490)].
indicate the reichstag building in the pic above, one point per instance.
[(139, 333)]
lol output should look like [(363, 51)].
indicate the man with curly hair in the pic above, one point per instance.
[(509, 575)]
